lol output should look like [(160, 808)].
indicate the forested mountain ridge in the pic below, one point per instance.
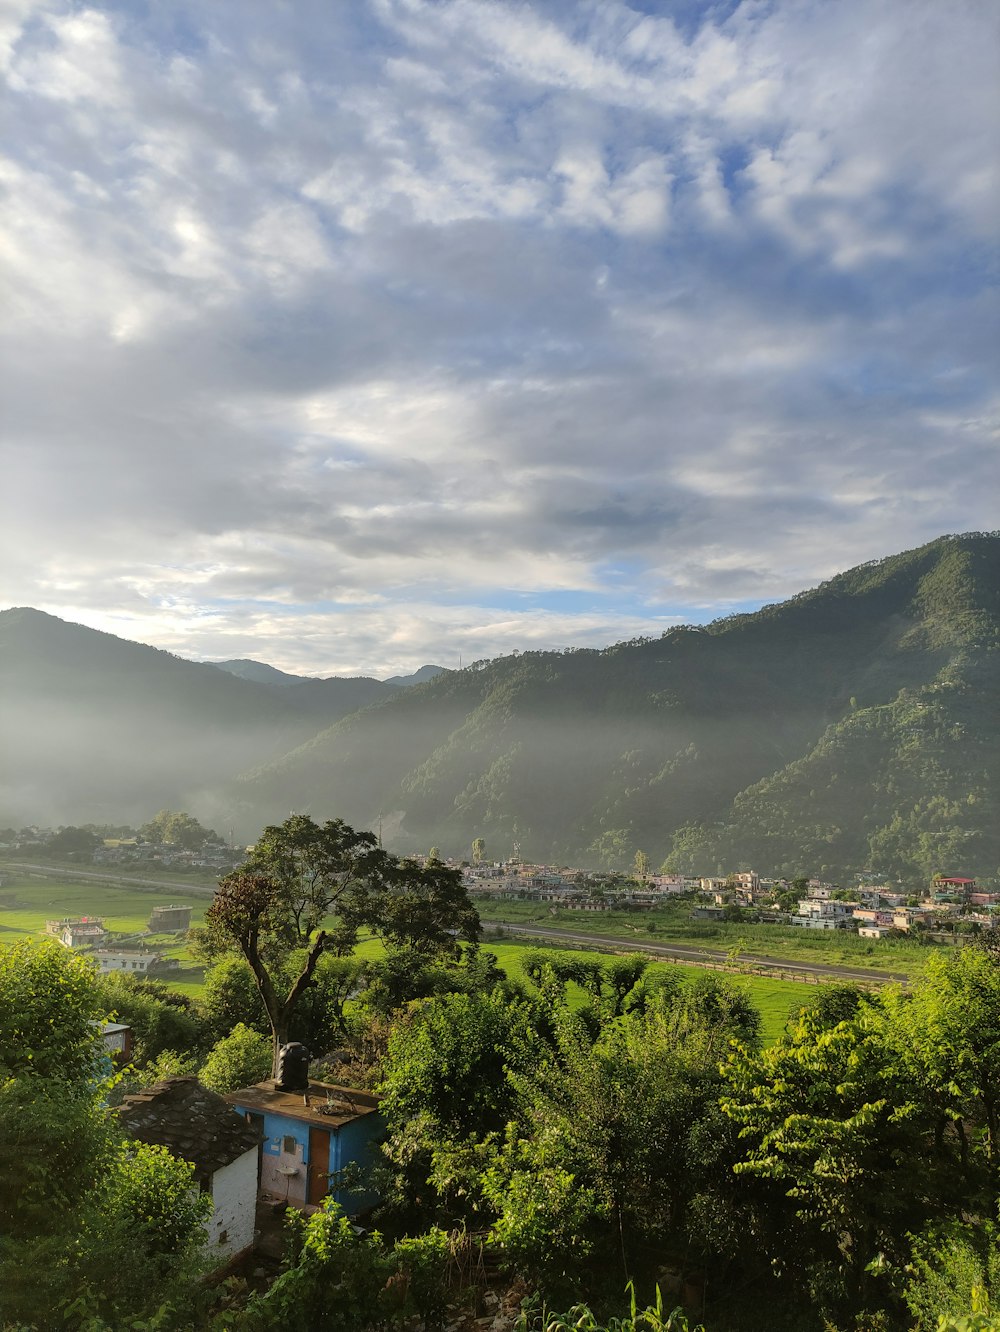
[(96, 727), (855, 723)]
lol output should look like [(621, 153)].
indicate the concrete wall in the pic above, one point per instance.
[(352, 1142), (234, 1204), (276, 1161)]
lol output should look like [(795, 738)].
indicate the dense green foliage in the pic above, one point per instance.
[(75, 1194)]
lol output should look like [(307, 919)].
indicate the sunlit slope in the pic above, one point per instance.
[(720, 727)]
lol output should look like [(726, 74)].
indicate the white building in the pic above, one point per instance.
[(133, 961), (197, 1125)]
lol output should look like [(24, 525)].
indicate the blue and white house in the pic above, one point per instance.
[(308, 1137)]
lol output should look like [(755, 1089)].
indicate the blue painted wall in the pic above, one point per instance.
[(350, 1143)]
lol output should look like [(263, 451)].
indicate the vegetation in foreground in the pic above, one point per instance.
[(550, 1139)]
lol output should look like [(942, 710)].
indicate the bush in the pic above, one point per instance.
[(238, 1060)]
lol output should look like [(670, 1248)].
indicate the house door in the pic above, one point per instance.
[(319, 1165)]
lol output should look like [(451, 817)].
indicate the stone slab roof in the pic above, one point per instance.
[(190, 1121), (326, 1103)]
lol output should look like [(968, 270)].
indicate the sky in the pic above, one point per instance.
[(353, 336)]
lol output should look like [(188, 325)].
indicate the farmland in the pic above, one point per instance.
[(27, 901)]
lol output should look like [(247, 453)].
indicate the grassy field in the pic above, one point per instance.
[(26, 902), (673, 925)]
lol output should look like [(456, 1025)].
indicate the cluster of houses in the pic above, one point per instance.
[(214, 856), (131, 849), (873, 910), (111, 953)]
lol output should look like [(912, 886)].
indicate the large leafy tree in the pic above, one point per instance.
[(620, 1133), (835, 1168), (177, 828), (945, 1042), (307, 888)]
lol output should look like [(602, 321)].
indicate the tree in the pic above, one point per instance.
[(238, 1060), (946, 1038), (49, 1000), (433, 854), (83, 1194), (177, 829), (249, 908), (478, 850), (613, 1140), (70, 840), (640, 866), (835, 1168), (298, 875), (160, 1020), (423, 907)]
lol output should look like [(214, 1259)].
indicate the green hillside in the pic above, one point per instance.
[(855, 723), (94, 727)]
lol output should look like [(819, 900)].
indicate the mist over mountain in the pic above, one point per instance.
[(855, 724), (95, 727)]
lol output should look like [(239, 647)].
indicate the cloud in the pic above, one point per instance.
[(384, 316)]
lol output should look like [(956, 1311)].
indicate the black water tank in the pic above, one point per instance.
[(293, 1068)]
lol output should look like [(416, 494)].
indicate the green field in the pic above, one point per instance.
[(672, 924), (26, 902)]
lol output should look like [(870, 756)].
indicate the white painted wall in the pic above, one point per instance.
[(234, 1203)]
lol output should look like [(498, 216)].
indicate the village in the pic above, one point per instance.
[(948, 905), (875, 910)]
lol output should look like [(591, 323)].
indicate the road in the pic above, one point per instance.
[(118, 880), (694, 954)]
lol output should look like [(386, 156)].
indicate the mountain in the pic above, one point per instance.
[(94, 727), (323, 701), (855, 724), (257, 671), (420, 676), (333, 695)]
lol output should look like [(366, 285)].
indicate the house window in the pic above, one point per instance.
[(289, 1145)]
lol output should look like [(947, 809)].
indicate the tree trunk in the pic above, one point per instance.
[(279, 1037)]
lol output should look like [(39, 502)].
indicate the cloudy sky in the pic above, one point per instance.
[(349, 336)]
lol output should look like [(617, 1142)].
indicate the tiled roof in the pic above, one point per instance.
[(190, 1121)]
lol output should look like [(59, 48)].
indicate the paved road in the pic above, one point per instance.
[(119, 880), (694, 954)]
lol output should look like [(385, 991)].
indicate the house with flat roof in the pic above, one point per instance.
[(308, 1137)]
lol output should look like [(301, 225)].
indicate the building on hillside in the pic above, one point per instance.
[(168, 919), (953, 884), (132, 961), (308, 1137), (747, 880), (197, 1125)]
